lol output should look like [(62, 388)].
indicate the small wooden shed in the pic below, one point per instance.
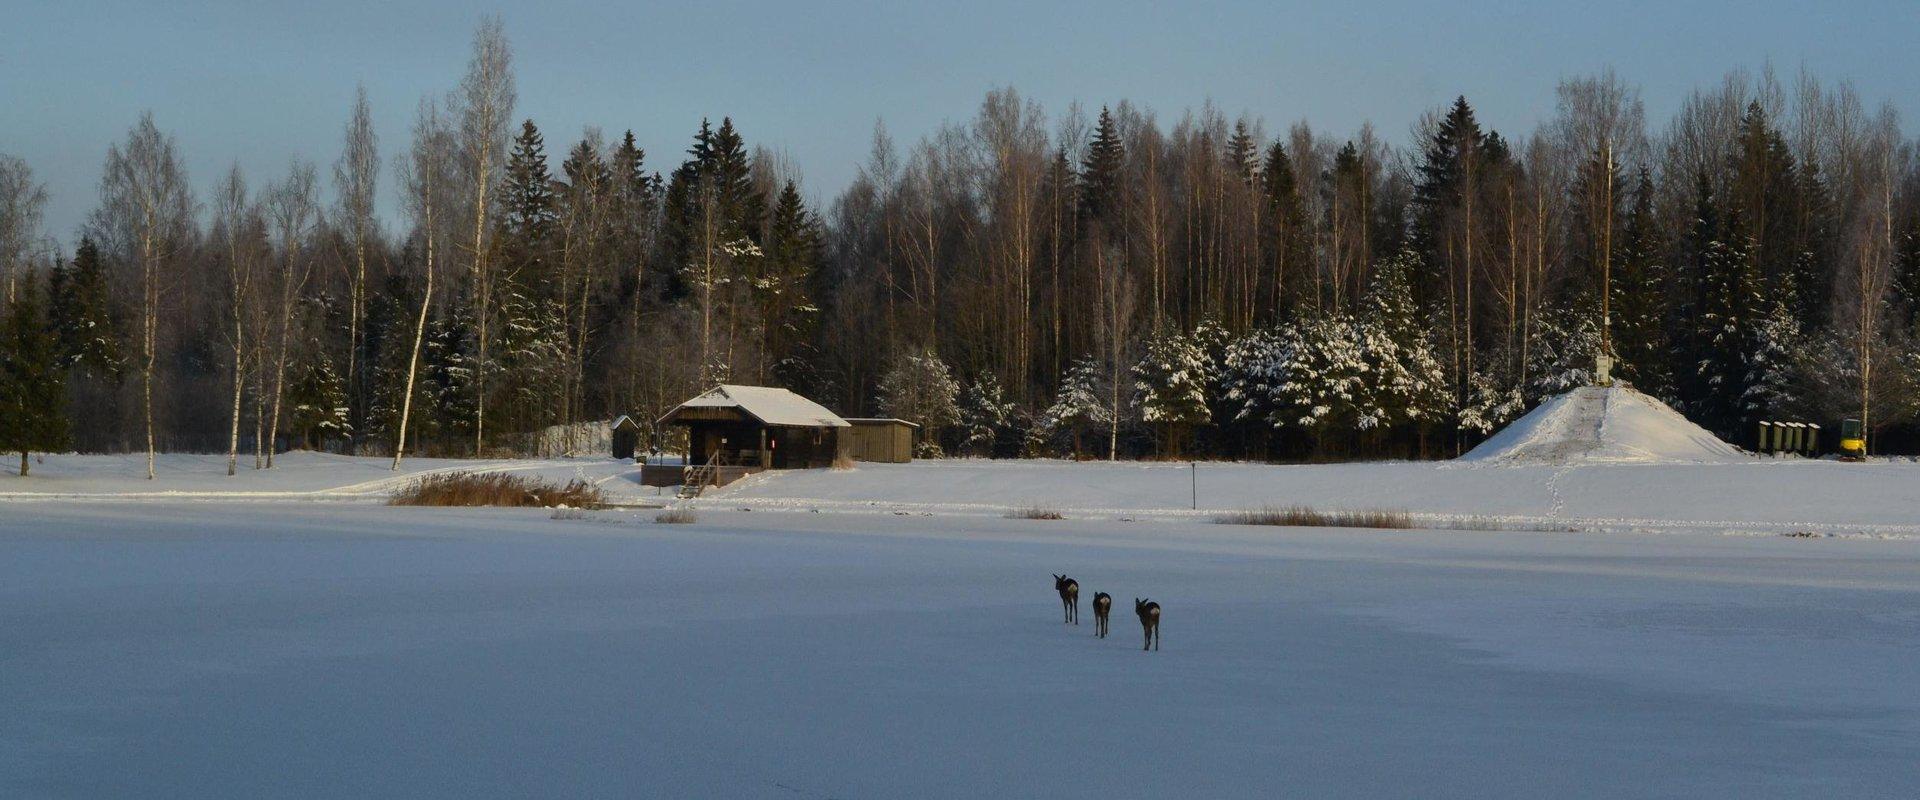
[(885, 440), (626, 437), (738, 430)]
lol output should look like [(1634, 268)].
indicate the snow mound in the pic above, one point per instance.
[(1595, 424)]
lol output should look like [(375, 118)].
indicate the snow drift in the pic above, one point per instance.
[(1595, 424)]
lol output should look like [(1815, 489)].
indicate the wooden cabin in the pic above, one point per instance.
[(740, 430), (885, 440)]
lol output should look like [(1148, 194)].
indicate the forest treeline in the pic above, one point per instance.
[(1100, 282)]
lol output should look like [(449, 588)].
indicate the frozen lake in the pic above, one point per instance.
[(248, 649)]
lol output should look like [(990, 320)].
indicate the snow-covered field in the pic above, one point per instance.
[(182, 649), (884, 632)]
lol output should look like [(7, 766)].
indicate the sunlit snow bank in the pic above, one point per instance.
[(1604, 425)]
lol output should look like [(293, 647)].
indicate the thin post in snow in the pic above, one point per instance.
[(1194, 471)]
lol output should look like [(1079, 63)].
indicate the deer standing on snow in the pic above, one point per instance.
[(1102, 605), (1069, 590), (1149, 622)]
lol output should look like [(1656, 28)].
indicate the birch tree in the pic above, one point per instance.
[(21, 204), (426, 175), (146, 214), (484, 105), (238, 232), (291, 213), (355, 177)]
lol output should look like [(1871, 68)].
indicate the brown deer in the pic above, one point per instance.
[(1149, 622), (1069, 590), (1102, 605)]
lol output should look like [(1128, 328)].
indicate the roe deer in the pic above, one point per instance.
[(1149, 622), (1102, 604), (1069, 590)]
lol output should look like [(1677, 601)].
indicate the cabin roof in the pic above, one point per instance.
[(769, 405), (882, 421)]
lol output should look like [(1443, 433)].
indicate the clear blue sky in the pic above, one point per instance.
[(260, 81)]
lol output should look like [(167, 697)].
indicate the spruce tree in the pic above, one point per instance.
[(782, 290), (529, 208), (317, 401), (1639, 290), (1775, 386), (741, 202), (32, 395), (1100, 178), (1730, 317), (83, 314), (1289, 238)]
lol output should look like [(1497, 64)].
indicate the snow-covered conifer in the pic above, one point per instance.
[(1170, 386), (985, 415), (919, 388), (1079, 405)]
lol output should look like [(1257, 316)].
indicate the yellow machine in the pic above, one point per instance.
[(1853, 441)]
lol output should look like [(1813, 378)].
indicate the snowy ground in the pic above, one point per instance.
[(1753, 497), (172, 648), (884, 632)]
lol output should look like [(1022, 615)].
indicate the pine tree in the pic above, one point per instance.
[(985, 416), (1252, 372), (1490, 404), (1322, 379), (1170, 387), (1408, 385), (1079, 405), (32, 396)]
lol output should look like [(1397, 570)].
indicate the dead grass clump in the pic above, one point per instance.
[(843, 462), (1034, 512), (1305, 517), (676, 516), (497, 489)]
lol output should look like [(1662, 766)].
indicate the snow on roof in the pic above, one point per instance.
[(881, 421), (1597, 425), (767, 404)]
